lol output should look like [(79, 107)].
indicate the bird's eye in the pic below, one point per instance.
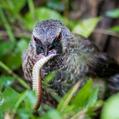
[(38, 41), (53, 45), (56, 42), (39, 48), (39, 45)]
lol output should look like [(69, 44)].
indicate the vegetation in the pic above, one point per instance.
[(17, 19)]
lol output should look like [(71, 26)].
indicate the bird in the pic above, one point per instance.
[(75, 57)]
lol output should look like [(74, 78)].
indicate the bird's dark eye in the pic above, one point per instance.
[(39, 49), (56, 42), (37, 41), (57, 45), (39, 45)]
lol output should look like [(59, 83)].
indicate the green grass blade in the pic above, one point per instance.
[(67, 98), (6, 25)]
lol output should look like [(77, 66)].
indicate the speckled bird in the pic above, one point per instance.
[(76, 57)]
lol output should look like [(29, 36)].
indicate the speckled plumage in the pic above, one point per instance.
[(76, 58)]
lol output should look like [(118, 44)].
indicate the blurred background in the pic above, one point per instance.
[(97, 20)]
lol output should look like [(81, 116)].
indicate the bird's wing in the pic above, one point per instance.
[(103, 65), (79, 52), (98, 63)]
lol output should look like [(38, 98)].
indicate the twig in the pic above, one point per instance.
[(106, 32), (19, 34), (9, 71)]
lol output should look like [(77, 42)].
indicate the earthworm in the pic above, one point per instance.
[(36, 78)]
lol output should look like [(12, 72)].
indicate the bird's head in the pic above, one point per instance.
[(50, 36)]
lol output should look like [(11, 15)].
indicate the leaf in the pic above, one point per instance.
[(27, 99), (57, 5), (83, 95), (115, 28), (10, 98), (23, 114), (1, 115), (21, 98), (12, 6), (40, 14), (6, 81), (49, 77), (5, 48), (86, 27), (113, 13), (67, 98), (110, 109), (22, 45), (92, 98), (30, 100), (51, 115), (13, 60)]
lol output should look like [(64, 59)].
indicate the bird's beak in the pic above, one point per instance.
[(51, 52), (46, 51)]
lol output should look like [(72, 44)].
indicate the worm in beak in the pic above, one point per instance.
[(36, 78)]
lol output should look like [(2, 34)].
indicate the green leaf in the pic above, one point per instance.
[(113, 13), (67, 98), (92, 98), (115, 28), (10, 98), (13, 6), (1, 115), (6, 81), (22, 45), (49, 77), (57, 5), (30, 100), (51, 115), (111, 108), (23, 114), (80, 100), (86, 27), (22, 97), (40, 14), (5, 48), (27, 99), (14, 59)]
